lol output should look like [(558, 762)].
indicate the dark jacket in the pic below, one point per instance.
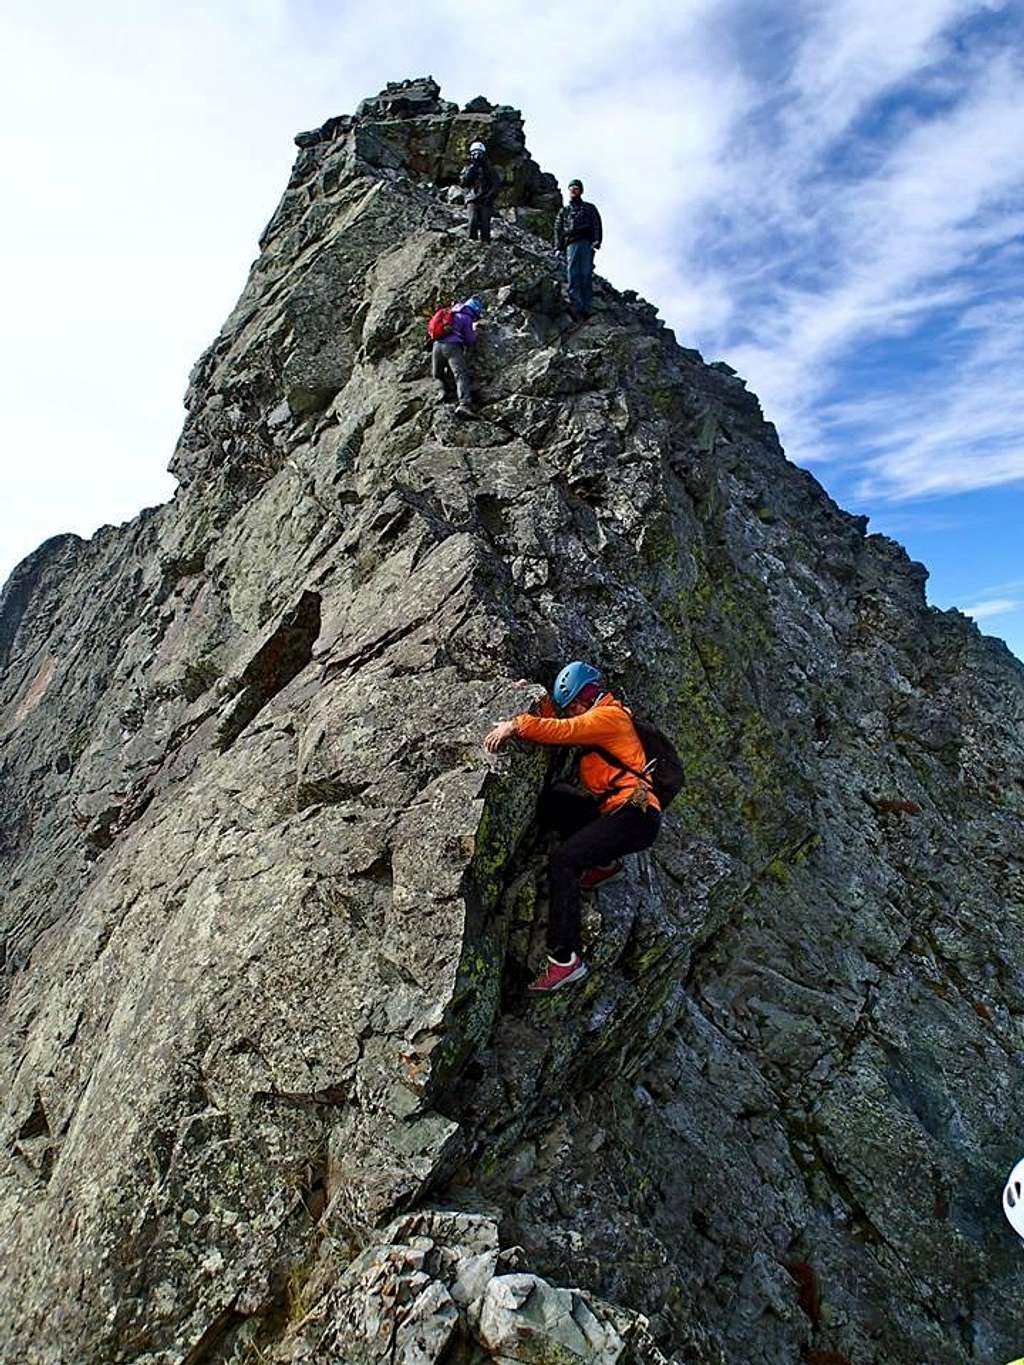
[(480, 181), (577, 221)]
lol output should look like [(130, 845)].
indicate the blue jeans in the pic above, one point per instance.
[(580, 263)]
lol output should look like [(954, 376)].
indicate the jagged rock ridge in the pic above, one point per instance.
[(269, 909)]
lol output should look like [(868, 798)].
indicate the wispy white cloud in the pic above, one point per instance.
[(961, 432), (882, 255), (996, 606), (854, 51)]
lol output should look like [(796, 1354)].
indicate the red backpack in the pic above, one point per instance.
[(440, 325)]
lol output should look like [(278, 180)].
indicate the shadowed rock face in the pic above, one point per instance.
[(269, 909)]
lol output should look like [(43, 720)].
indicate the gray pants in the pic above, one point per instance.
[(449, 358)]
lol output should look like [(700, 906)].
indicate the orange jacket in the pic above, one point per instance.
[(608, 725)]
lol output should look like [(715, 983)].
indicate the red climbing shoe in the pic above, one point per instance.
[(559, 974), (600, 876)]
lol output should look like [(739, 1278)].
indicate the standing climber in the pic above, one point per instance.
[(452, 331), (617, 813), (578, 235), (481, 182)]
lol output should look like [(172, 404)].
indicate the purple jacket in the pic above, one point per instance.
[(463, 328)]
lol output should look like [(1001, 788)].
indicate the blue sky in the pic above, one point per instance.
[(829, 194)]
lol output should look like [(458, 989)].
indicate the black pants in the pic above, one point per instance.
[(480, 219), (588, 839)]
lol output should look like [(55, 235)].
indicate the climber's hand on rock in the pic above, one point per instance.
[(501, 734)]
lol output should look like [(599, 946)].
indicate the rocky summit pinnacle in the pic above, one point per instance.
[(272, 1087)]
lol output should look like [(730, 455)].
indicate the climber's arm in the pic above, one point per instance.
[(504, 730), (593, 727)]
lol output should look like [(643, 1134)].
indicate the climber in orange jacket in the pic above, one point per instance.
[(617, 813)]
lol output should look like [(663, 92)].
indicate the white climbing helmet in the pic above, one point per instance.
[(1013, 1198), (477, 149)]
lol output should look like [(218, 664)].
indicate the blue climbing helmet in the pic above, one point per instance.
[(473, 306), (572, 680)]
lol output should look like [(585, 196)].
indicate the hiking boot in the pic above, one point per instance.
[(465, 410), (600, 876), (559, 974)]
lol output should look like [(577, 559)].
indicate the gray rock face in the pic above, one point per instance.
[(269, 909)]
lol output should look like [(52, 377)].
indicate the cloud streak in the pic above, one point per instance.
[(996, 606), (902, 211)]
